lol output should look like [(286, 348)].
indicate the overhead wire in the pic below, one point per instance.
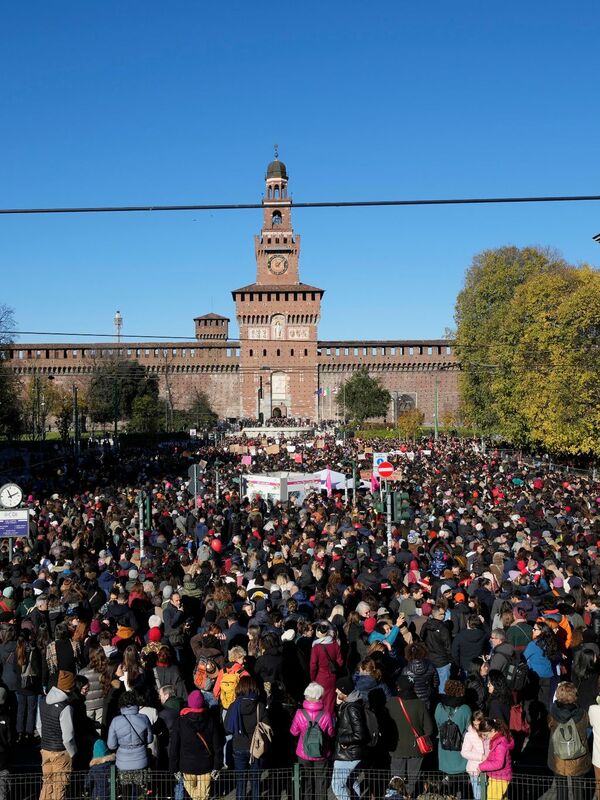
[(311, 204)]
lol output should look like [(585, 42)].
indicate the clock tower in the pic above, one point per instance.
[(277, 248), (278, 316)]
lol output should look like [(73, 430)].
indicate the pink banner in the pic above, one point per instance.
[(246, 460)]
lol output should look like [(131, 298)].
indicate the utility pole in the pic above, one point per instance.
[(76, 438), (389, 520), (436, 408)]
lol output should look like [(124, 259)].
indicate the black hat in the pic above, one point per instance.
[(345, 684)]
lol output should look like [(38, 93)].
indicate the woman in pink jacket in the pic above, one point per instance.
[(475, 749), (498, 765), (314, 764)]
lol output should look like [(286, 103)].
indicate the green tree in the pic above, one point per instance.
[(481, 308), (115, 386), (146, 414), (409, 423), (199, 413), (363, 397), (62, 409), (547, 384)]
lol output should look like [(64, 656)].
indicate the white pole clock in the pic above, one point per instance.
[(11, 495)]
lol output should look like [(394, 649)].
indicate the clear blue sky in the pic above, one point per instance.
[(181, 102)]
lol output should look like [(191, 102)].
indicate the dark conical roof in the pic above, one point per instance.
[(276, 169)]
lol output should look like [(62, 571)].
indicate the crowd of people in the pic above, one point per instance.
[(246, 635)]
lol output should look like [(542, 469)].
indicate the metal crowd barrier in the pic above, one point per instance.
[(290, 784)]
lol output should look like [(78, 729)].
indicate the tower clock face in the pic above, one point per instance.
[(278, 265)]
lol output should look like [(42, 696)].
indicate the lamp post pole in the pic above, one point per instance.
[(436, 408)]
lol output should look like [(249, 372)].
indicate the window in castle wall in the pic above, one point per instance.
[(392, 351), (356, 351), (346, 351), (411, 351), (364, 351), (373, 351), (448, 351), (156, 353), (337, 351), (174, 351), (228, 352), (430, 351), (305, 351), (75, 353), (251, 353), (237, 351), (264, 353), (292, 351), (328, 351)]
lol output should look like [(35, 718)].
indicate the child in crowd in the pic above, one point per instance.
[(498, 764), (475, 749), (97, 781)]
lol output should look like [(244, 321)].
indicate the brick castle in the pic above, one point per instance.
[(278, 366)]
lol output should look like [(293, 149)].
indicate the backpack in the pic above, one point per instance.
[(450, 736), (205, 674), (229, 683), (261, 739), (517, 676), (313, 739), (566, 741), (29, 674), (372, 727)]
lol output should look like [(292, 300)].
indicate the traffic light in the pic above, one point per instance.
[(400, 506), (145, 510), (147, 513)]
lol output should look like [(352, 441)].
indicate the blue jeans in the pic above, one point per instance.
[(444, 674), (476, 786), (26, 712), (244, 769), (342, 770)]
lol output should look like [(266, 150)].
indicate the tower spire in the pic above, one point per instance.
[(276, 152)]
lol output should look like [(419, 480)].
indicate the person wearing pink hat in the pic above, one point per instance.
[(196, 747)]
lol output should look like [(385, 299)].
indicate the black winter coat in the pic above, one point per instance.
[(424, 677), (352, 732), (249, 717), (196, 745), (468, 645), (268, 667), (436, 635), (399, 739)]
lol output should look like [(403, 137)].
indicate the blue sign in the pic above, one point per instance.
[(14, 523)]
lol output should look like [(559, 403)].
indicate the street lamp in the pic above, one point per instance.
[(118, 323), (217, 465)]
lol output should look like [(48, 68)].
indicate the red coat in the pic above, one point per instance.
[(325, 661)]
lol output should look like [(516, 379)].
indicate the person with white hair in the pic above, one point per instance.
[(314, 727)]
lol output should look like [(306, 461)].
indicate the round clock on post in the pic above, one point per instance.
[(277, 264), (11, 495)]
